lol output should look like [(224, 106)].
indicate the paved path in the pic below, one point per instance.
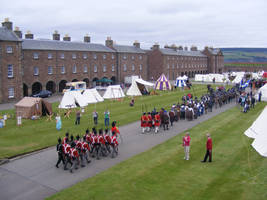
[(36, 177)]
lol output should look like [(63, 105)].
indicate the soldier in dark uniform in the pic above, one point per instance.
[(60, 153)]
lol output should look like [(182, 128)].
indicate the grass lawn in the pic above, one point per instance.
[(38, 134), (237, 170)]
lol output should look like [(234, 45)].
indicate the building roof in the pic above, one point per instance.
[(169, 51), (8, 35), (127, 49), (214, 51), (41, 44)]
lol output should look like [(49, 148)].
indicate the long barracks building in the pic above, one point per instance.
[(30, 65)]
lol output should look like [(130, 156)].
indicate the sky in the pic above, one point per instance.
[(216, 23)]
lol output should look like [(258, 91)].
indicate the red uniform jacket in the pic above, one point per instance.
[(157, 120), (107, 139), (149, 121), (115, 129), (114, 140), (209, 144), (85, 146), (101, 139), (74, 153), (144, 121)]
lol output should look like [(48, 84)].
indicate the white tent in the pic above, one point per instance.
[(263, 91), (258, 131), (113, 92), (92, 96), (185, 77), (97, 95), (180, 82), (239, 76), (138, 84), (79, 98), (67, 101)]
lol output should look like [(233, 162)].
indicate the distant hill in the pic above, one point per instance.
[(250, 55)]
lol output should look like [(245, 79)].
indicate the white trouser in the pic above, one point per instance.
[(147, 128), (143, 129), (156, 129), (186, 152)]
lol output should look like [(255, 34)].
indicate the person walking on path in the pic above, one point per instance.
[(186, 145), (106, 117), (58, 122), (95, 117), (78, 117), (209, 149)]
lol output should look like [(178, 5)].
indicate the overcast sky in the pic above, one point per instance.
[(225, 23)]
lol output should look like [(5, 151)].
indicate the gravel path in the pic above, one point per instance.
[(36, 177)]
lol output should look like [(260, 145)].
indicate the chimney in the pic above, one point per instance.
[(180, 48), (7, 24), (155, 46), (186, 48), (56, 35), (29, 35), (18, 32), (87, 38), (166, 46), (66, 38), (193, 48), (174, 47), (136, 44), (109, 42)]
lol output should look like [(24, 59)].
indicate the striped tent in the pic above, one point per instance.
[(163, 83)]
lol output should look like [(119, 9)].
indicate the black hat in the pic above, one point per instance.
[(144, 113), (59, 140)]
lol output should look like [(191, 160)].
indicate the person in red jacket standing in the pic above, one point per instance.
[(157, 122), (186, 145), (209, 149), (144, 122)]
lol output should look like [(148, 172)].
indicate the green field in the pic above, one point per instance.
[(38, 134), (237, 170)]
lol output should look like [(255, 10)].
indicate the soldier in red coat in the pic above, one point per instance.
[(114, 145), (144, 122), (149, 121), (157, 122), (209, 149), (74, 157)]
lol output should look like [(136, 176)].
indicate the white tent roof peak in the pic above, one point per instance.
[(114, 92)]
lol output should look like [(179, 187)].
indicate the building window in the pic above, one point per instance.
[(11, 93), (168, 66), (35, 71), (95, 68), (9, 49), (112, 56), (35, 56), (85, 69), (125, 67), (84, 56), (140, 57), (62, 56), (113, 68), (124, 57), (104, 68), (132, 57), (141, 67), (10, 71), (104, 56), (74, 56), (62, 69), (50, 70), (173, 66), (133, 68), (49, 56), (95, 56), (74, 69)]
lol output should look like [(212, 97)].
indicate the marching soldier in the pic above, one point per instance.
[(144, 122), (60, 152), (149, 121), (157, 122), (74, 157), (114, 144)]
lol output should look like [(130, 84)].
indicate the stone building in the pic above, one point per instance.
[(131, 60), (175, 61), (30, 65), (10, 64)]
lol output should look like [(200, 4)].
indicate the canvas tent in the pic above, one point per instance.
[(30, 106), (80, 99), (113, 92), (180, 82), (258, 131), (138, 86), (263, 91), (96, 94), (67, 101), (163, 83)]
